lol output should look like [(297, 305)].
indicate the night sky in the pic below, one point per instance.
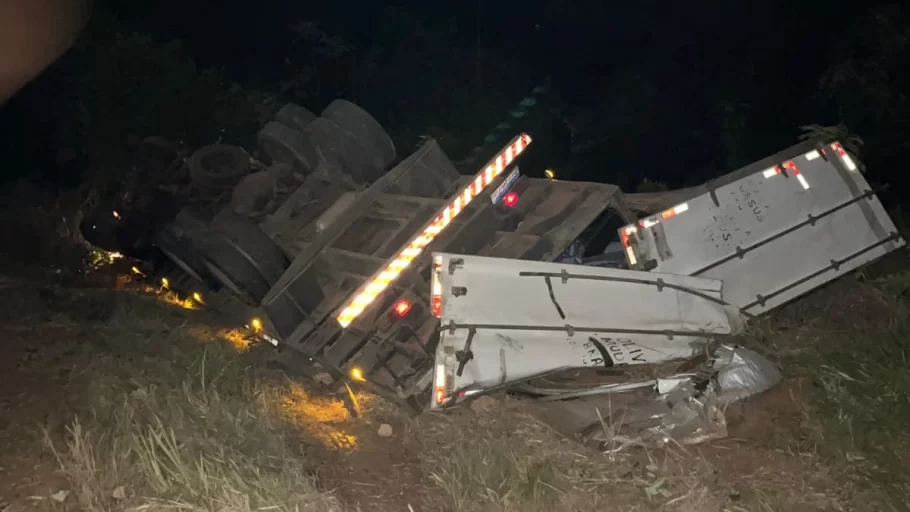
[(666, 82)]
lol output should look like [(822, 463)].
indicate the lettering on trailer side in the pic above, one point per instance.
[(624, 351), (612, 352), (595, 353), (745, 199)]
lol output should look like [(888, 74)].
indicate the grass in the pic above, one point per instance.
[(177, 419), (174, 416), (862, 397), (511, 461)]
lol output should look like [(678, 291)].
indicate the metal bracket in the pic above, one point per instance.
[(464, 355), (713, 194), (822, 152), (455, 263)]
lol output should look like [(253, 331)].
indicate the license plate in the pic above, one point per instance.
[(504, 187)]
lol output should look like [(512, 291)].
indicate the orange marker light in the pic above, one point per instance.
[(401, 307)]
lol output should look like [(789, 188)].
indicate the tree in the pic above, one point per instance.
[(124, 86), (867, 86)]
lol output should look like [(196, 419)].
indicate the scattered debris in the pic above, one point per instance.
[(60, 496), (484, 404), (385, 430), (119, 493), (742, 373)]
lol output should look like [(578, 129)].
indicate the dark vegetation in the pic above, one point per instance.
[(677, 108)]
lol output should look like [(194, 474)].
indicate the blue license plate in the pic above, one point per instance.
[(505, 186)]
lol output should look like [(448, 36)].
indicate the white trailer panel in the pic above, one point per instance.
[(783, 228), (504, 321)]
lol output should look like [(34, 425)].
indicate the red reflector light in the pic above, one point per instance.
[(510, 199), (437, 306), (401, 307)]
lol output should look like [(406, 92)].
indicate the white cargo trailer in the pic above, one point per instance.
[(504, 321), (771, 231)]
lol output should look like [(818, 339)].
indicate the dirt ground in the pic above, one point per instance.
[(70, 353)]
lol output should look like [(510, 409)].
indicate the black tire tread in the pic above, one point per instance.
[(286, 145), (223, 177), (364, 126), (271, 261)]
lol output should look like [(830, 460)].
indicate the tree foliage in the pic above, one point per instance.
[(124, 86), (633, 109), (868, 85)]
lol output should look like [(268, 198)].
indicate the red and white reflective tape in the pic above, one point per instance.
[(790, 165), (771, 172), (367, 293), (848, 160), (630, 251)]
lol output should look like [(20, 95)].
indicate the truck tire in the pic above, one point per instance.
[(367, 129), (252, 194), (270, 261), (286, 145), (218, 165), (294, 116), (233, 270), (359, 161), (183, 241)]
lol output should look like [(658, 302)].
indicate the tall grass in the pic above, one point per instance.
[(173, 421), (862, 395)]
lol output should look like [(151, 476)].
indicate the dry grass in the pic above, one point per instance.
[(860, 367), (508, 460), (177, 419), (179, 415)]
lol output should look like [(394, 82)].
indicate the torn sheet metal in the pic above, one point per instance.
[(495, 358), (504, 321), (683, 409), (686, 415), (738, 372)]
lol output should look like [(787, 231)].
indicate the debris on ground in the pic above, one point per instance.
[(483, 404)]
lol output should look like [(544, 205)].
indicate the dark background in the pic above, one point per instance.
[(672, 93)]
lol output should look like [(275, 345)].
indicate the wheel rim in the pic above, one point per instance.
[(228, 283), (183, 265)]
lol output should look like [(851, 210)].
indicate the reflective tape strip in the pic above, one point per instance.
[(848, 160), (790, 165), (367, 293)]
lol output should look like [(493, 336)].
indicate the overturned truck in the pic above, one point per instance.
[(340, 273), (738, 247)]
